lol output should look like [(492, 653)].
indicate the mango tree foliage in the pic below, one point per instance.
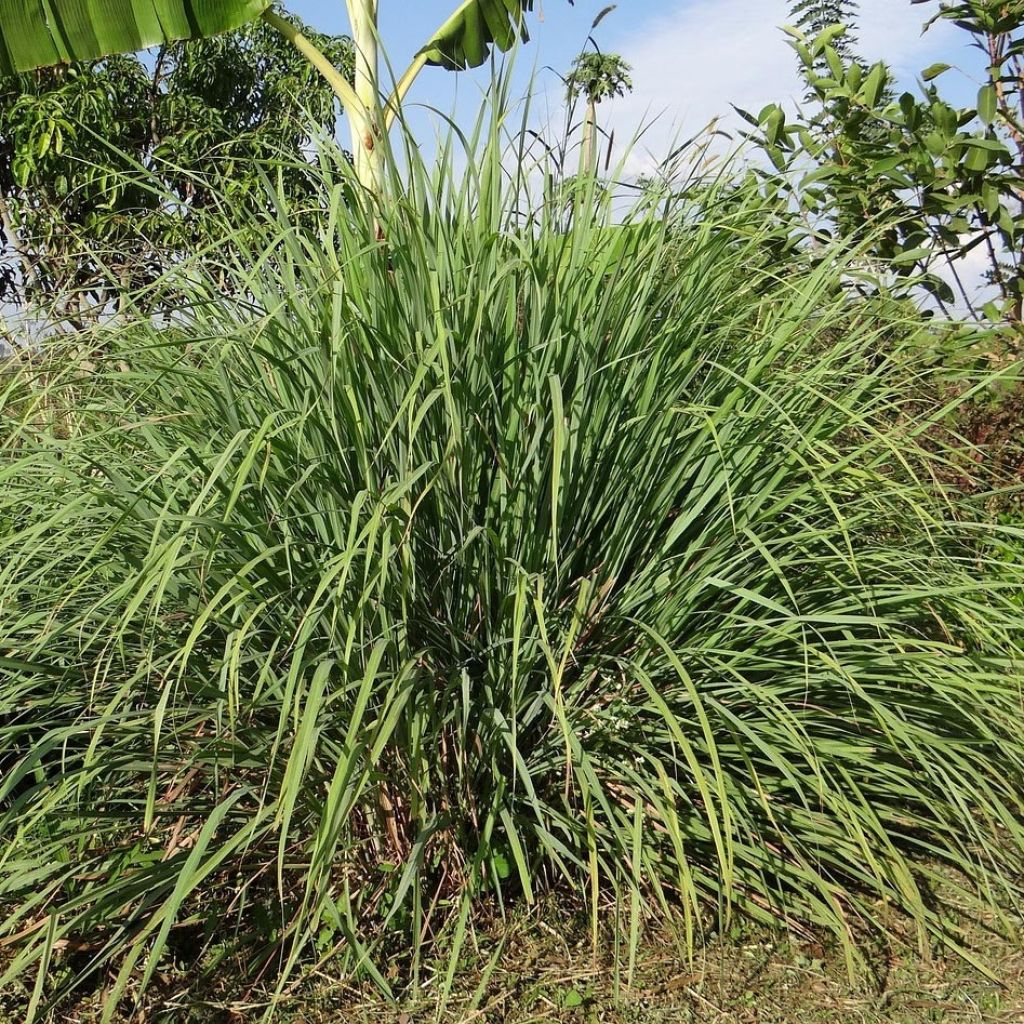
[(815, 16), (110, 168)]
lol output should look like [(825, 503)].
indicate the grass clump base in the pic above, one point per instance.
[(447, 551), (537, 965)]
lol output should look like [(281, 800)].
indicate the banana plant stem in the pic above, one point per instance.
[(354, 108), (394, 103)]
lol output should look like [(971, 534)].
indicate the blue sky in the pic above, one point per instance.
[(691, 58), (558, 30)]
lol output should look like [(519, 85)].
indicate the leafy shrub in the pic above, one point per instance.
[(485, 558)]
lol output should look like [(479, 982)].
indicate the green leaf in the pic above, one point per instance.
[(977, 159), (990, 198), (934, 70), (987, 103), (804, 54), (835, 65), (1006, 223), (991, 145), (886, 164), (40, 33), (828, 36), (873, 85), (774, 124), (946, 119), (465, 39), (501, 866), (746, 115), (911, 256)]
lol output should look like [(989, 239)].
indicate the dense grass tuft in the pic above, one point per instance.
[(490, 557)]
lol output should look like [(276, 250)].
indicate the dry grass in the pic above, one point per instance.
[(539, 968)]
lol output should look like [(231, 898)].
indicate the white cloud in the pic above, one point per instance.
[(690, 64)]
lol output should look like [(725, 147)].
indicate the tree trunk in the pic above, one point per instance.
[(11, 234), (588, 158)]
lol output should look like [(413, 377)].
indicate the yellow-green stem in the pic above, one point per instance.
[(337, 81), (394, 103)]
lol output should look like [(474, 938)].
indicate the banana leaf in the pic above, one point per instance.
[(40, 33), (466, 38)]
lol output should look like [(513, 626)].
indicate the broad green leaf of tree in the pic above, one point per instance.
[(40, 33), (465, 39)]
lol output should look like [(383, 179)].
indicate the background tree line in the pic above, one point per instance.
[(106, 170), (920, 181), (931, 190)]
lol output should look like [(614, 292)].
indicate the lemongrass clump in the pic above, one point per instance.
[(444, 548)]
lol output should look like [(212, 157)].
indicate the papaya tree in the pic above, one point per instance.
[(35, 34), (594, 78)]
